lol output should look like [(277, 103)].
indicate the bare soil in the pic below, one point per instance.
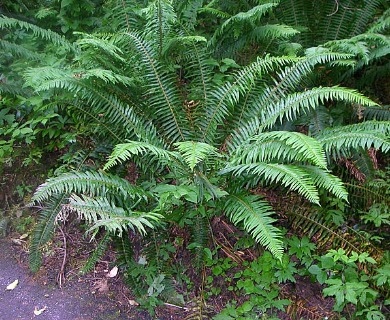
[(77, 300)]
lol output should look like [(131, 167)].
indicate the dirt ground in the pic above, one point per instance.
[(74, 301)]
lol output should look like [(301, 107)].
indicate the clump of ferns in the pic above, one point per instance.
[(240, 117)]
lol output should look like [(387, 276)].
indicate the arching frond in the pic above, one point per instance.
[(377, 113), (342, 139), (290, 107), (98, 104), (320, 119), (97, 254), (215, 12), (187, 11), (254, 214), (124, 151), (12, 89), (372, 125), (313, 224), (282, 146), (160, 20), (105, 43), (274, 31), (101, 213), (302, 102), (342, 20), (55, 38), (123, 15), (294, 177), (181, 42), (91, 183), (196, 76), (19, 50), (287, 80), (250, 16)]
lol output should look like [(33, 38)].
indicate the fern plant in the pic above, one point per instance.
[(200, 146)]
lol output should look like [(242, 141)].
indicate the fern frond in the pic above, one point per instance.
[(251, 15), (45, 78), (19, 51), (163, 96), (343, 139), (92, 183), (99, 251), (123, 15), (302, 102), (294, 177), (124, 151), (111, 108), (325, 180), (364, 195), (320, 119), (274, 31), (187, 11), (199, 309), (55, 38), (298, 14), (215, 12), (181, 42), (195, 152), (44, 229), (372, 125), (160, 20), (101, 213), (382, 24), (124, 250), (13, 89), (254, 214), (105, 44), (343, 21), (286, 83), (107, 76), (200, 236), (282, 146), (380, 113), (377, 113)]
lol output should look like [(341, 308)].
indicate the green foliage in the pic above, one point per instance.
[(377, 214), (346, 283), (255, 216), (209, 102), (328, 20), (97, 254), (259, 281), (44, 230)]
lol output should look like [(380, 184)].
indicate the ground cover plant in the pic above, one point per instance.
[(201, 140)]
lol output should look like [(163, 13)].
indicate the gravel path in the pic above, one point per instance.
[(73, 302)]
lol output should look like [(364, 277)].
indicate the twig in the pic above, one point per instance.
[(61, 274), (175, 306), (337, 9)]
